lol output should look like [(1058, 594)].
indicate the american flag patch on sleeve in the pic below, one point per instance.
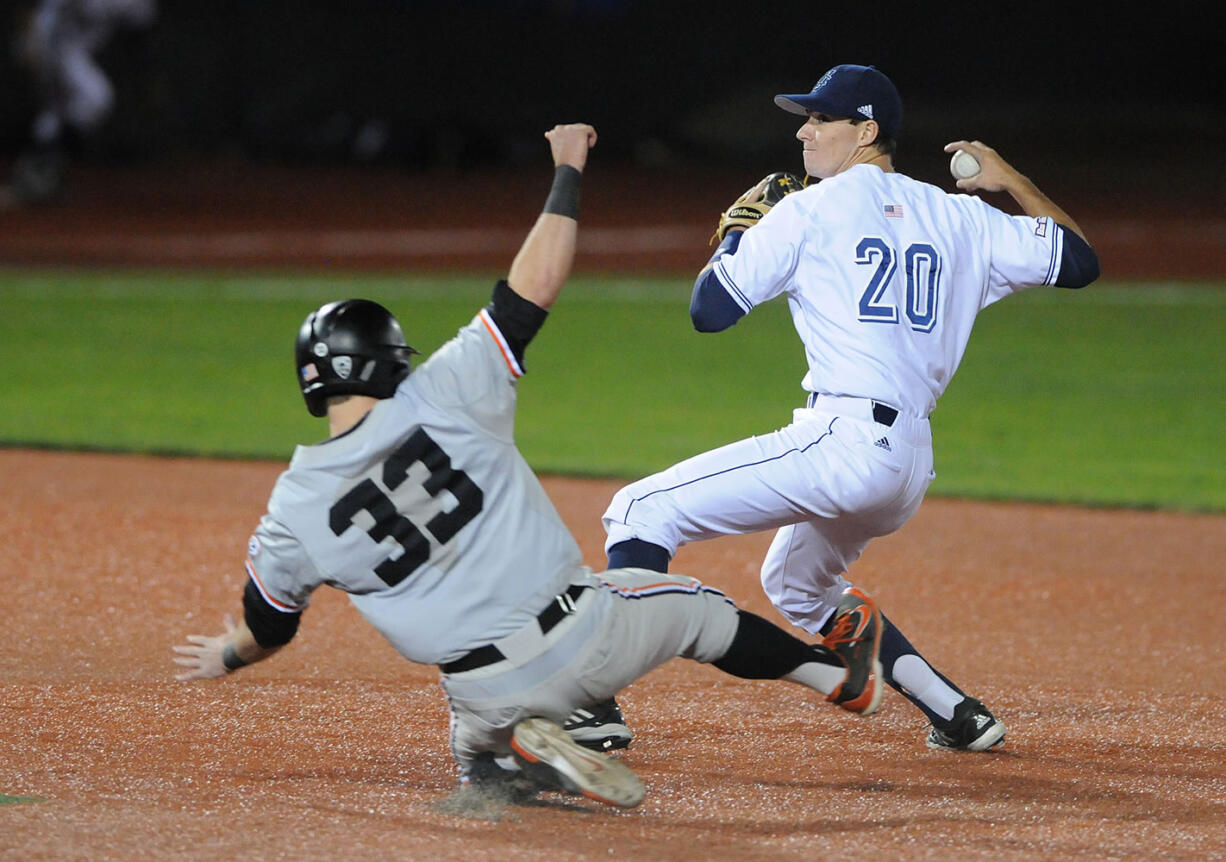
[(893, 211)]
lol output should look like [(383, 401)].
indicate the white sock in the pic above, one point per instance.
[(821, 677), (914, 674)]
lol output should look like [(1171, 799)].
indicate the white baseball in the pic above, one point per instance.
[(963, 165)]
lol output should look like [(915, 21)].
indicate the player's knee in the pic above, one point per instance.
[(792, 610), (634, 513), (716, 630), (808, 609), (620, 507)]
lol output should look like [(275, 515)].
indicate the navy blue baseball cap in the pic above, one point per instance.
[(850, 91)]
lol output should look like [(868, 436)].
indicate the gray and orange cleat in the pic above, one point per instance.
[(856, 639), (547, 754), (972, 728)]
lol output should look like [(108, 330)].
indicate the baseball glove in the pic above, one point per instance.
[(756, 202)]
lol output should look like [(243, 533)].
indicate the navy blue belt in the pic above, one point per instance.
[(883, 414), (556, 611)]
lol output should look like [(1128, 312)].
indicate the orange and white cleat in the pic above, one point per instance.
[(856, 639), (547, 754)]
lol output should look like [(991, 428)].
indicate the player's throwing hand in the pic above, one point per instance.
[(995, 174)]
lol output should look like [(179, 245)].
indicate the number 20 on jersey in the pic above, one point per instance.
[(922, 268)]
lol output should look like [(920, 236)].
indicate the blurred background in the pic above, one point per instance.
[(181, 180), (463, 83), (274, 108)]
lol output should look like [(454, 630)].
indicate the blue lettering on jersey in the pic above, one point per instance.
[(922, 268), (923, 265), (870, 250)]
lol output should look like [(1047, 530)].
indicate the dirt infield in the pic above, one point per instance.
[(1093, 634)]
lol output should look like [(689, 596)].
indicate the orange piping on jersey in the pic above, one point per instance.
[(690, 587), (281, 606), (694, 586), (516, 371)]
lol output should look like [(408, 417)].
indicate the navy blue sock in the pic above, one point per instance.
[(637, 554), (894, 645)]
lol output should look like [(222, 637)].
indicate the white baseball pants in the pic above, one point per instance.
[(829, 483)]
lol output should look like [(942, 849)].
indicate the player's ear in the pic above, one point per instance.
[(869, 131)]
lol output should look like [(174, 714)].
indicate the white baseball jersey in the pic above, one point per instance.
[(884, 276), (424, 513), (64, 38)]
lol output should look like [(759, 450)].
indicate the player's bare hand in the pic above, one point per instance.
[(202, 655), (995, 174), (570, 144)]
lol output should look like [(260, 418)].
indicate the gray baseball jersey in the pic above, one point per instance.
[(429, 518), (399, 511)]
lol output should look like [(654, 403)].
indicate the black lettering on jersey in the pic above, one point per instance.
[(469, 498), (367, 496)]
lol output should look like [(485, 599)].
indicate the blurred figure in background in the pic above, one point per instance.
[(59, 44)]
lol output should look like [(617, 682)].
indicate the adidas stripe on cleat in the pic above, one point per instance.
[(972, 728), (599, 727)]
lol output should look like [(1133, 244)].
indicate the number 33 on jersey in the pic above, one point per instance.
[(409, 533)]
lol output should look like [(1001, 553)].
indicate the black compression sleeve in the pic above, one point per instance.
[(762, 650), (1078, 262), (269, 626), (518, 319)]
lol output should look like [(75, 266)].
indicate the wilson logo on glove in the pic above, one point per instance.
[(757, 201)]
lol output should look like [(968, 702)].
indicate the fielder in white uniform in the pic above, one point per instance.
[(884, 276), (60, 44), (420, 507)]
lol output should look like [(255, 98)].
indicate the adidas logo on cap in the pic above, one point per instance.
[(866, 110)]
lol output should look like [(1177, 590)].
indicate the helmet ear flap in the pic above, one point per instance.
[(310, 379), (353, 347)]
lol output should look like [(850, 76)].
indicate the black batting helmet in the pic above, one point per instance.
[(352, 347)]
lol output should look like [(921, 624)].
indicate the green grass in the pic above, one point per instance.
[(6, 799), (1106, 396), (1111, 395)]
